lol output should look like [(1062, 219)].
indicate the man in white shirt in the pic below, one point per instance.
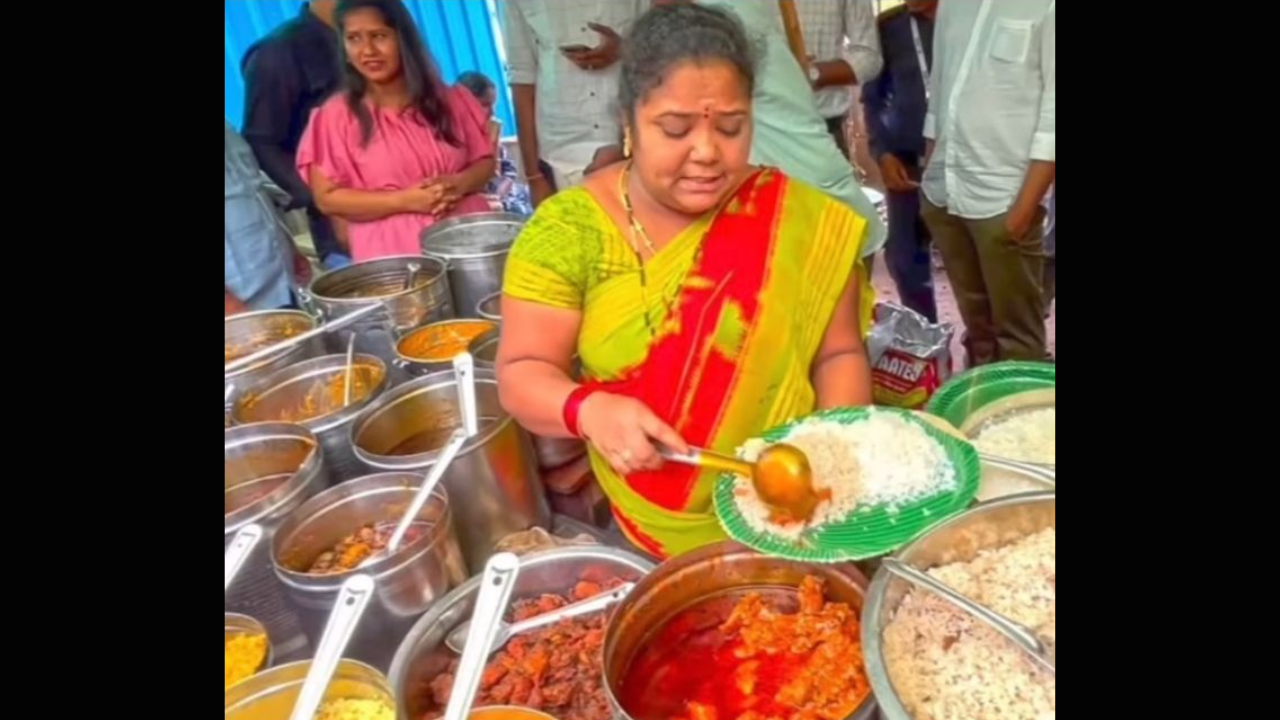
[(841, 40), (562, 65), (789, 133), (992, 126)]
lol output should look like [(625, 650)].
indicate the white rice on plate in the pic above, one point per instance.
[(883, 460), (945, 665), (1030, 436)]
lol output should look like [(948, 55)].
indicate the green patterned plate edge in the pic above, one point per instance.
[(980, 386), (867, 532)]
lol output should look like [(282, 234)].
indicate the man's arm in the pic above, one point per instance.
[(271, 92), (522, 73), (862, 55), (1044, 144)]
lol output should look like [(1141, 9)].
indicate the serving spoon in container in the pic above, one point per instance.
[(457, 640), (781, 476), (496, 585)]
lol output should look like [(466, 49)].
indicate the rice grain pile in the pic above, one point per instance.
[(1026, 436), (945, 665), (883, 460)]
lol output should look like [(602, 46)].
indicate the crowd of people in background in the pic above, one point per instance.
[(348, 119)]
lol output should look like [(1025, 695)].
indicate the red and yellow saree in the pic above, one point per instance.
[(738, 303)]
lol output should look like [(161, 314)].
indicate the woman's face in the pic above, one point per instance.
[(373, 47), (692, 136)]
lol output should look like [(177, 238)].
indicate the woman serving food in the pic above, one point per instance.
[(707, 299)]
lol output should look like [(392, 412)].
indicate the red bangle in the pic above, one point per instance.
[(573, 405)]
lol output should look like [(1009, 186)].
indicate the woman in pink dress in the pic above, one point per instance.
[(395, 151)]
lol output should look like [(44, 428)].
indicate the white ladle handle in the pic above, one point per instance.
[(428, 487), (353, 598), (238, 552), (495, 592), (464, 370)]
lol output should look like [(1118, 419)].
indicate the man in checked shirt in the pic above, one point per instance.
[(844, 49), (562, 63)]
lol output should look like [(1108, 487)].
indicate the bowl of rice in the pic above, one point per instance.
[(357, 692), (886, 476), (928, 660), (1007, 410)]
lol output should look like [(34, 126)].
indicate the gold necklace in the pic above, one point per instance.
[(636, 227)]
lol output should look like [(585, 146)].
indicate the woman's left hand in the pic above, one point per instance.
[(449, 193)]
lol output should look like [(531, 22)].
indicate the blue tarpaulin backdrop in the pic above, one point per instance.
[(460, 34)]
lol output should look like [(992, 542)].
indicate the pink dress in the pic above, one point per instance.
[(402, 152)]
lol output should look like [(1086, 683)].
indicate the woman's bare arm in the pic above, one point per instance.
[(535, 357), (369, 205), (841, 374)]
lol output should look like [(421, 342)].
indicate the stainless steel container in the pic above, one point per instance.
[(493, 482), (269, 470), (272, 694), (960, 539), (490, 308), (344, 291), (423, 655), (723, 569), (476, 248), (557, 452), (417, 367), (236, 624), (409, 581), (287, 390), (484, 349), (250, 332)]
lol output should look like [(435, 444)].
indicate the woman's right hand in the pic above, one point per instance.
[(624, 431)]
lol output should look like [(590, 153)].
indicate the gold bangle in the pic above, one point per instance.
[(535, 176)]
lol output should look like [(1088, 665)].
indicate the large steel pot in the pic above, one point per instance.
[(408, 581), (423, 655), (960, 539), (250, 332), (285, 392), (484, 349), (344, 291), (476, 248), (490, 308), (269, 469), (493, 482), (717, 570), (271, 695), (416, 366)]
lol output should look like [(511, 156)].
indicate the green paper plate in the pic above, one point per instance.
[(869, 531), (970, 391)]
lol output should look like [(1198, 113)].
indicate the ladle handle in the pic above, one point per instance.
[(429, 484), (709, 460), (350, 371), (1040, 474), (495, 592), (593, 604), (353, 598), (238, 552), (464, 370), (1015, 632), (264, 353)]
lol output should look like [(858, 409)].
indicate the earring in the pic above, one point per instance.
[(626, 143)]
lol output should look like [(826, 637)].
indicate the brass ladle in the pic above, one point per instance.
[(781, 476)]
